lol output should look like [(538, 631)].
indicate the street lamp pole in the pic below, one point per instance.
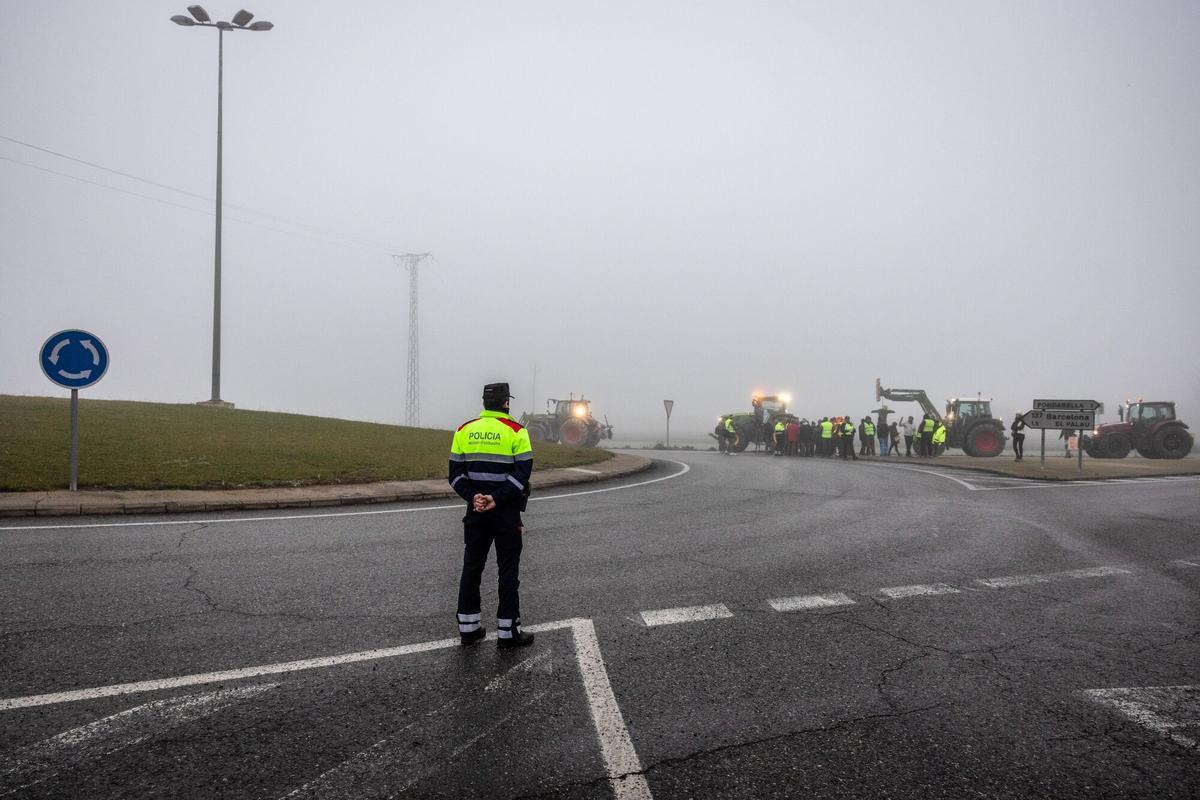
[(216, 338), (241, 21)]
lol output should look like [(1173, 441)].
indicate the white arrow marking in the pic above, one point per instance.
[(75, 376), (57, 347), (81, 746), (87, 345)]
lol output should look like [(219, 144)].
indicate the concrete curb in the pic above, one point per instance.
[(182, 501)]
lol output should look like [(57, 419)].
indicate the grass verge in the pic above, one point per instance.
[(126, 445)]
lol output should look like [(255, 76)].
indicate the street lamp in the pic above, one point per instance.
[(241, 22)]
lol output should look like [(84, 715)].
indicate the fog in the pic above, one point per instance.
[(683, 200)]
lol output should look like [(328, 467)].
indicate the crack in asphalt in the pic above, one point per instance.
[(725, 748)]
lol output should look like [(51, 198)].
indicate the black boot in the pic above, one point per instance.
[(473, 636), (518, 639)]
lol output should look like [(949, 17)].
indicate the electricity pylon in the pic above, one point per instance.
[(412, 404)]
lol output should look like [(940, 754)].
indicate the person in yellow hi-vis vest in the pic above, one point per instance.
[(491, 461), (826, 437), (939, 439), (780, 430)]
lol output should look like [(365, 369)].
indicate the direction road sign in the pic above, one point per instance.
[(74, 359), (1066, 405), (1060, 420)]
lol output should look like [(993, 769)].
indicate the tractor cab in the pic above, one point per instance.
[(1149, 413), (961, 412), (768, 407), (579, 409)]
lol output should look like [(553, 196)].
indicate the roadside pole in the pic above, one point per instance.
[(74, 485), (668, 405), (1043, 448)]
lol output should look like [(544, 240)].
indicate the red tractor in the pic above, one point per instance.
[(1150, 428)]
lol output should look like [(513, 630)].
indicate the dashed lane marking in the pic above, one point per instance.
[(673, 616), (1166, 710), (623, 766), (1181, 563), (337, 514), (811, 601), (1073, 574), (72, 749), (916, 590)]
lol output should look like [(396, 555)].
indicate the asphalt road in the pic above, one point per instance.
[(719, 627)]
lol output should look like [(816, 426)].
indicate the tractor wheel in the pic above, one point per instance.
[(1172, 441), (594, 434), (742, 441), (1115, 446), (985, 440), (573, 432), (1144, 453), (539, 433)]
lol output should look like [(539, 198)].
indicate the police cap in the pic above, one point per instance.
[(496, 393)]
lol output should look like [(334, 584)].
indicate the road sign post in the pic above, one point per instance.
[(668, 405), (1076, 415), (75, 360)]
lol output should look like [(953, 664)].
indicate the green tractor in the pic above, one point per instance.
[(969, 423), (568, 422), (756, 427)]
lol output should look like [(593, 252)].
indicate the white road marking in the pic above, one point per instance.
[(672, 616), (585, 471), (286, 517), (71, 749), (616, 746), (1073, 574), (620, 758), (918, 589), (1182, 563), (1150, 706), (811, 601), (1032, 483), (395, 760)]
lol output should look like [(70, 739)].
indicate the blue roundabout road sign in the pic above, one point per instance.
[(74, 359)]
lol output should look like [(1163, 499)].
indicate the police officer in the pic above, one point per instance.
[(491, 460), (848, 438), (927, 426), (780, 432)]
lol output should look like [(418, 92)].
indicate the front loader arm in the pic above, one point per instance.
[(907, 396)]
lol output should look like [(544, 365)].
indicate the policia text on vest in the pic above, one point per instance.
[(491, 461)]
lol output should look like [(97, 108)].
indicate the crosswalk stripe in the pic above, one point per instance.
[(811, 601)]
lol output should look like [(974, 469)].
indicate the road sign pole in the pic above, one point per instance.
[(74, 440), (1043, 448), (1079, 447)]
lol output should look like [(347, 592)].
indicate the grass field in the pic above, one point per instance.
[(124, 445)]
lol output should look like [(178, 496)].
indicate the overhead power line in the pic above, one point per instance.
[(329, 232)]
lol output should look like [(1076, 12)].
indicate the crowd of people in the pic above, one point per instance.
[(834, 436)]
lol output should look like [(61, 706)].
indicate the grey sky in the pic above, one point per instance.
[(647, 200)]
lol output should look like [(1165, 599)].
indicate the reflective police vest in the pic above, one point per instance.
[(927, 425), (729, 425), (869, 429), (780, 427), (492, 455), (939, 436), (848, 429), (826, 430)]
